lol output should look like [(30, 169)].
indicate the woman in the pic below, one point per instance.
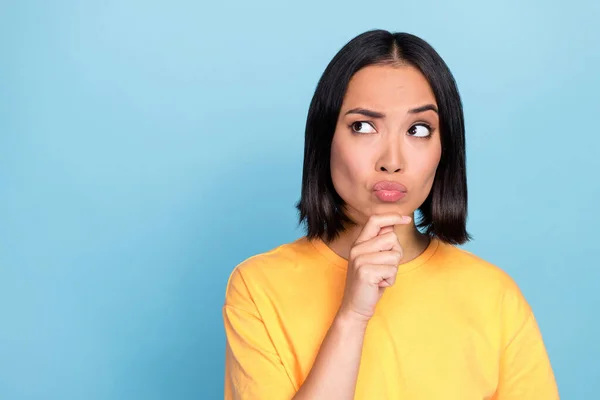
[(367, 306)]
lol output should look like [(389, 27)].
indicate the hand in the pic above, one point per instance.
[(372, 265)]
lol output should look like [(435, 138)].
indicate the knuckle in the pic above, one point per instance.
[(358, 260), (391, 238), (363, 273), (371, 220)]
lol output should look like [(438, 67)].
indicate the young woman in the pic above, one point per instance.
[(366, 305)]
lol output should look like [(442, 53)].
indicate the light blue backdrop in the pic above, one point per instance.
[(147, 147)]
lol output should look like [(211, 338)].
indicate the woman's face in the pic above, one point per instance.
[(387, 131)]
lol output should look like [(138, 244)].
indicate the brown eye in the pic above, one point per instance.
[(419, 130), (361, 126)]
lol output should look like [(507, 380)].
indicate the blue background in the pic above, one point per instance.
[(148, 147)]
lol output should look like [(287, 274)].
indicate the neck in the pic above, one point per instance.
[(412, 241)]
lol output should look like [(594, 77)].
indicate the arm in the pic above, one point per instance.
[(253, 368), (525, 370), (372, 267), (335, 369)]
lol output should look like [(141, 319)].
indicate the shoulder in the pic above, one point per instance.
[(485, 287), (279, 258), (481, 278), (268, 269), (467, 265)]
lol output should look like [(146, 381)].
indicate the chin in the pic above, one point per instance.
[(382, 208)]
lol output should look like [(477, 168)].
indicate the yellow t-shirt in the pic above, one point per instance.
[(453, 326)]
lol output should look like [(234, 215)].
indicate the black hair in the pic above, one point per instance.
[(443, 214)]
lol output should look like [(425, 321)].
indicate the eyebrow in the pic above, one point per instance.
[(376, 114)]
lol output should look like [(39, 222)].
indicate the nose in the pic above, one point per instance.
[(391, 159)]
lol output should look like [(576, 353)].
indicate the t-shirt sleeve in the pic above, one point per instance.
[(525, 370), (253, 368)]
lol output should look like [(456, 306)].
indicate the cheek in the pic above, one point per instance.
[(347, 167), (427, 165)]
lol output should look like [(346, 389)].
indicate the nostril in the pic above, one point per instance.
[(384, 169)]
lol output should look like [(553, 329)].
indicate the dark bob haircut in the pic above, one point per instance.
[(443, 214)]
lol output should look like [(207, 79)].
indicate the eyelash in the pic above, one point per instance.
[(431, 130)]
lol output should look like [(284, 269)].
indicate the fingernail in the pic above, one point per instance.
[(406, 218)]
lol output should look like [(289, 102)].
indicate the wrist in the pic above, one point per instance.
[(351, 320)]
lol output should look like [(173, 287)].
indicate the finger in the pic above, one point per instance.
[(386, 229), (387, 241), (384, 283), (375, 274), (378, 221), (388, 282), (391, 258)]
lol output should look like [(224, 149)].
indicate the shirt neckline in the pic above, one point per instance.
[(340, 261)]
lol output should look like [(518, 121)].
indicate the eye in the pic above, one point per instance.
[(361, 125), (419, 130)]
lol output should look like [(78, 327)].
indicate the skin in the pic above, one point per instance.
[(386, 150), (403, 146)]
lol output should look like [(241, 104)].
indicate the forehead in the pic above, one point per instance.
[(386, 87)]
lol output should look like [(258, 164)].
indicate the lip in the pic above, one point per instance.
[(389, 191), (389, 185)]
